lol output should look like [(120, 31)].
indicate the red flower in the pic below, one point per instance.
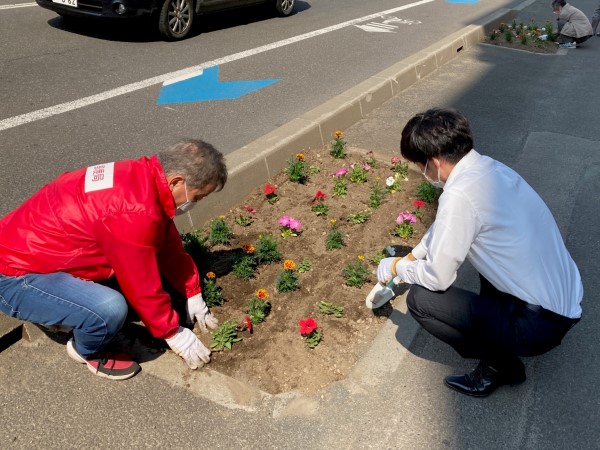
[(307, 326), (269, 189), (249, 324), (418, 203), (319, 196), (250, 209)]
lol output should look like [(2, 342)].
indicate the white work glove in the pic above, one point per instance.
[(188, 346), (384, 270), (197, 311)]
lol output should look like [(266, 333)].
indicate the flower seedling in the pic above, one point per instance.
[(335, 237), (319, 206), (304, 266), (392, 183), (329, 309), (356, 273), (194, 243), (243, 221), (259, 307), (370, 160), (359, 217), (399, 167), (267, 250), (287, 280), (376, 197), (426, 191), (419, 204), (270, 191), (224, 336), (359, 173), (338, 146), (289, 226), (404, 225), (377, 257), (297, 169), (219, 231), (340, 185), (211, 293), (244, 266), (309, 331)]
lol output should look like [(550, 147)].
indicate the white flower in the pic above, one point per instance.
[(389, 181)]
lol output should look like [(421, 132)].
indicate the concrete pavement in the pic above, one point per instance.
[(534, 112)]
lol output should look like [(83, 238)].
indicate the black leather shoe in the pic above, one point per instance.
[(486, 377)]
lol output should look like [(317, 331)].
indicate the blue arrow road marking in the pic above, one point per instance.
[(206, 87)]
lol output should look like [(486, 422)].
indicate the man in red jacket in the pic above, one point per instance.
[(104, 220)]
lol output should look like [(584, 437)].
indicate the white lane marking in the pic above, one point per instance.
[(17, 5), (44, 113)]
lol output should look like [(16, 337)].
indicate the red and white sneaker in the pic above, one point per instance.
[(106, 364)]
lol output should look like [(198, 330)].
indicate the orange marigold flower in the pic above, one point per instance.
[(338, 134), (210, 275), (262, 294), (300, 156), (248, 248), (288, 264)]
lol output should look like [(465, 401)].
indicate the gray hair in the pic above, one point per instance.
[(196, 161)]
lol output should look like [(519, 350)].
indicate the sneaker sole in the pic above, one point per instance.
[(77, 357)]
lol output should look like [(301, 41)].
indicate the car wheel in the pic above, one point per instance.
[(284, 7), (176, 18)]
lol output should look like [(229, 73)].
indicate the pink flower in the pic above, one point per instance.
[(294, 224), (406, 217), (250, 209), (341, 172), (395, 159), (284, 221), (366, 166)]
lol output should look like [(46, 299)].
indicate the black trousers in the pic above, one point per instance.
[(490, 325)]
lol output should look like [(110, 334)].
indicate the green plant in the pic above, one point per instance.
[(359, 173), (243, 221), (404, 227), (329, 308), (335, 237), (297, 169), (392, 183), (523, 37), (492, 35), (508, 35), (224, 336), (426, 191), (378, 256), (370, 160), (313, 169), (220, 232), (359, 217), (211, 293), (319, 207), (338, 146), (549, 30), (287, 279), (244, 267), (376, 197), (258, 310), (304, 266), (399, 167), (267, 250), (340, 187), (356, 273), (194, 243)]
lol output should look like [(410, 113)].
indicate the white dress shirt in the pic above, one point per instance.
[(491, 216)]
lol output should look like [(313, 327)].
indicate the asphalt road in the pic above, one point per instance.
[(59, 108)]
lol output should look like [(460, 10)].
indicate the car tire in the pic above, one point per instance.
[(176, 19), (284, 7)]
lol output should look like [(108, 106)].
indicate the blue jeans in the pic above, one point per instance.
[(95, 312)]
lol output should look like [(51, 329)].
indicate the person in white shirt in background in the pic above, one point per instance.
[(531, 289)]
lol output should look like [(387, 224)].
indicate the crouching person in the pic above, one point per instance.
[(531, 289), (104, 220)]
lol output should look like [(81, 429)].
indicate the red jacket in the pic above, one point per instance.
[(114, 218)]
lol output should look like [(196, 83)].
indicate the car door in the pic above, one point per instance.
[(216, 5)]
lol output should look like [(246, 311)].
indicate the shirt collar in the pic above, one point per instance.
[(471, 158)]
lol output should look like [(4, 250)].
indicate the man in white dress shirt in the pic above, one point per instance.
[(530, 286)]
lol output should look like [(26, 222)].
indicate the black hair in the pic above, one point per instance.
[(436, 133)]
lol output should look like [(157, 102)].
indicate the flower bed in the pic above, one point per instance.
[(530, 37), (287, 271)]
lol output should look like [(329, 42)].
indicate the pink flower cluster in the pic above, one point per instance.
[(406, 217), (341, 172), (290, 222)]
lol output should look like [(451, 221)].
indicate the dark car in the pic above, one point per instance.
[(174, 18)]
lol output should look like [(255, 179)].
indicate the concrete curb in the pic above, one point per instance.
[(256, 163)]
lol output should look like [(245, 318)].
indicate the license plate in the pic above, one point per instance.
[(72, 3)]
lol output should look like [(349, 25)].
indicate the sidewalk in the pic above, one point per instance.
[(536, 113)]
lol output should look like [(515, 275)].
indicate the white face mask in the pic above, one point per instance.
[(439, 183), (184, 207)]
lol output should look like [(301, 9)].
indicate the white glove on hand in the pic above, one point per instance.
[(188, 346), (384, 270), (198, 311)]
